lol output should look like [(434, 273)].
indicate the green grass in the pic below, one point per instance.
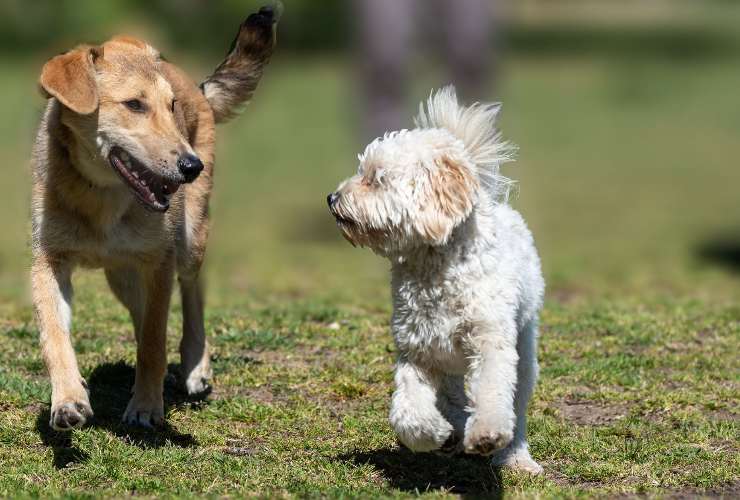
[(634, 397), (628, 179)]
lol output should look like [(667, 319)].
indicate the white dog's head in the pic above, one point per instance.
[(413, 187)]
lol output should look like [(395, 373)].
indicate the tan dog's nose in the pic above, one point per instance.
[(190, 167)]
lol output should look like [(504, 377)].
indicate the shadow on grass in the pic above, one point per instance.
[(110, 390), (721, 251), (469, 476)]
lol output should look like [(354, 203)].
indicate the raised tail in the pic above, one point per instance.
[(233, 82)]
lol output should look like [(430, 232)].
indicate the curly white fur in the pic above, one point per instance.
[(466, 279), (475, 126)]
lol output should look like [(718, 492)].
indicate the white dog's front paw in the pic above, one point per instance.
[(144, 412), (484, 436), (421, 434)]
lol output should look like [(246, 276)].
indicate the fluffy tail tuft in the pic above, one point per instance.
[(233, 82), (475, 126)]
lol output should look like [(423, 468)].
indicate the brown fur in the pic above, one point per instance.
[(84, 214), (453, 188), (235, 79)]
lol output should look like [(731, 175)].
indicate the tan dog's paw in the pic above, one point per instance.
[(144, 412), (484, 439), (68, 415)]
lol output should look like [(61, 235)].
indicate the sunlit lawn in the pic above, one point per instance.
[(628, 178)]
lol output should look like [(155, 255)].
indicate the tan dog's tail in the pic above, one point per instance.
[(233, 82)]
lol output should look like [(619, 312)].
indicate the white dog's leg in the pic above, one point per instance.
[(414, 414), (517, 454), (492, 383)]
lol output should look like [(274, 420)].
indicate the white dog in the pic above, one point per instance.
[(466, 279)]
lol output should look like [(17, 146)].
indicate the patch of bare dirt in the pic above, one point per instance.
[(586, 412), (727, 490), (725, 445), (722, 415), (717, 415), (552, 472)]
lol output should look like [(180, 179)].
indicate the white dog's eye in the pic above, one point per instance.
[(371, 177), (378, 178)]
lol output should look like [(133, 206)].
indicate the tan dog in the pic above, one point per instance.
[(122, 174)]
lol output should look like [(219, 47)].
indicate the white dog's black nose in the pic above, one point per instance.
[(190, 166), (331, 199)]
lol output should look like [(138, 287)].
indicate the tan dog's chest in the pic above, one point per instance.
[(121, 245), (132, 236)]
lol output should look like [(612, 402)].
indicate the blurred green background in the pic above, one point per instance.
[(626, 114)]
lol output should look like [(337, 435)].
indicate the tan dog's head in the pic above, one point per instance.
[(414, 187), (124, 117)]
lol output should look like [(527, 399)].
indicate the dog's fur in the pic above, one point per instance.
[(115, 111), (466, 280)]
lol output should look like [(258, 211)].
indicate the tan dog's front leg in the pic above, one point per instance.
[(146, 407), (52, 300), (195, 362)]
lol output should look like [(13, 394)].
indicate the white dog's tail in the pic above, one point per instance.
[(475, 126)]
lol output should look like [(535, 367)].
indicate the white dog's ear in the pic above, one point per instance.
[(70, 77), (453, 188)]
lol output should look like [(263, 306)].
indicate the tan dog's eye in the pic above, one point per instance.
[(135, 105), (172, 106)]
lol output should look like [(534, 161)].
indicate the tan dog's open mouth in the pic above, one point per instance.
[(150, 189)]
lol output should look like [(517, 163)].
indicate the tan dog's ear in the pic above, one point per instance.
[(452, 194), (70, 77)]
